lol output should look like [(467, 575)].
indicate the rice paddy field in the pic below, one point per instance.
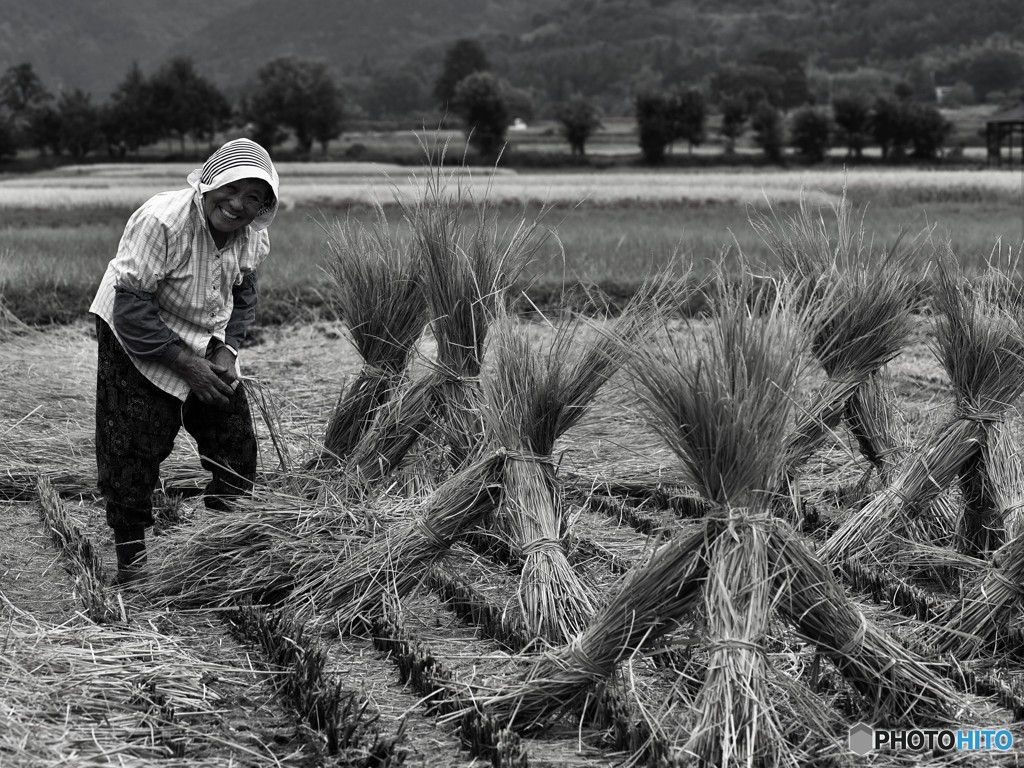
[(645, 536)]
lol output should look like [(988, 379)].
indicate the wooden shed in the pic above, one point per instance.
[(1005, 129)]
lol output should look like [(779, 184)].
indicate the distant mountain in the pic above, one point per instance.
[(91, 45), (555, 47)]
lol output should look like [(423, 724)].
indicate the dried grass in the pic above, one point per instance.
[(84, 695), (531, 397), (349, 592), (895, 686), (981, 346), (255, 554), (737, 722), (80, 556), (655, 598), (465, 265), (376, 290), (857, 308)]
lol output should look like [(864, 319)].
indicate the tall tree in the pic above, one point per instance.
[(655, 118), (578, 118), (22, 93), (130, 118), (298, 95), (480, 102), (690, 117), (766, 121), (462, 59), (735, 113), (809, 134), (21, 89), (185, 103), (44, 130), (328, 111), (890, 127), (929, 130), (79, 123), (852, 117)]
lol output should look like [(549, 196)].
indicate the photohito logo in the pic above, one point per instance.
[(864, 738)]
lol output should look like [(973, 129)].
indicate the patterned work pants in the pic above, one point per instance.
[(136, 424)]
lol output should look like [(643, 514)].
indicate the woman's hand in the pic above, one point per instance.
[(222, 357), (206, 378)]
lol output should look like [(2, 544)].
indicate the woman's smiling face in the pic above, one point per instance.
[(235, 205)]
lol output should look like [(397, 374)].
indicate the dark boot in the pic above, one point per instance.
[(130, 546)]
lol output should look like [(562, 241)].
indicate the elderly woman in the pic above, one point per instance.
[(171, 312)]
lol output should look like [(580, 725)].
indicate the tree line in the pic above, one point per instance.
[(291, 98), (295, 99)]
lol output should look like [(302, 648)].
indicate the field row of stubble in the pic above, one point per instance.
[(609, 228)]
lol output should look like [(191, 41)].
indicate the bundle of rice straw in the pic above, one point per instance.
[(530, 398), (466, 267), (876, 423), (737, 721), (981, 346), (655, 598), (350, 593), (82, 560), (899, 687), (723, 404), (254, 554), (858, 309), (974, 623), (376, 291)]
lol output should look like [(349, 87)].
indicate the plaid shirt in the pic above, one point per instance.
[(167, 250)]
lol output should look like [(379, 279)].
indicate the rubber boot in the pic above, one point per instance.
[(130, 546)]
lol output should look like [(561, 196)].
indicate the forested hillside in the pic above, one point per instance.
[(603, 49)]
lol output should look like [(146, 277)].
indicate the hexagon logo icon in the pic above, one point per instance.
[(862, 737)]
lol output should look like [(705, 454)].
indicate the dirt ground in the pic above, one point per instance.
[(81, 694)]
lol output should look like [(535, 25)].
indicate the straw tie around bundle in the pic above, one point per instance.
[(555, 602), (530, 397), (736, 723)]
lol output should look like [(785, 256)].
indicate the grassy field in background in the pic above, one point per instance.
[(609, 228)]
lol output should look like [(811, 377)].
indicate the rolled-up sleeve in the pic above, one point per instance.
[(138, 325), (139, 266)]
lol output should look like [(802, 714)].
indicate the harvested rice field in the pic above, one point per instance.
[(785, 532), (150, 683)]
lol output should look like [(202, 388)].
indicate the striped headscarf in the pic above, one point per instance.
[(236, 160)]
